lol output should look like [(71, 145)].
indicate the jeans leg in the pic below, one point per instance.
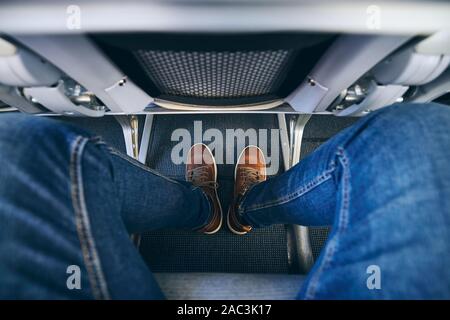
[(67, 199), (384, 185), (151, 201)]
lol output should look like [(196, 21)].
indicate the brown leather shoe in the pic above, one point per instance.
[(250, 170), (201, 171)]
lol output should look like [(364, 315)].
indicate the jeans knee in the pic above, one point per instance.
[(407, 128), (402, 145), (35, 157), (416, 119), (25, 136), (398, 158)]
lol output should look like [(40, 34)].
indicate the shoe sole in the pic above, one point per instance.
[(241, 233), (215, 191)]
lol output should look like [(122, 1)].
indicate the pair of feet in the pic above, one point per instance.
[(201, 171)]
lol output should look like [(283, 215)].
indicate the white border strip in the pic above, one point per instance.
[(345, 16)]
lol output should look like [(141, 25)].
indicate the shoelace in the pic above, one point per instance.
[(199, 177), (249, 177)]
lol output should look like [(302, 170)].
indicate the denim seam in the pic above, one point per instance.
[(342, 224), (140, 165), (318, 180), (82, 221), (244, 197)]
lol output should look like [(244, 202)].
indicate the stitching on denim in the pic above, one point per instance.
[(88, 248), (244, 197), (343, 220), (318, 180), (140, 165)]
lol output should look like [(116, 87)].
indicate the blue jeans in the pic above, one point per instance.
[(67, 199)]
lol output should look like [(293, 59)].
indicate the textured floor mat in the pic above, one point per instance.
[(261, 251)]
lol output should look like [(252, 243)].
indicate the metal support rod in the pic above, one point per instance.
[(291, 149), (134, 124), (130, 130), (125, 123), (297, 138), (306, 259)]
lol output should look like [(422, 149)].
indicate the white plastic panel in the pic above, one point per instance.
[(438, 43), (81, 60), (127, 95), (54, 99), (394, 16), (7, 48), (348, 58), (11, 97), (443, 64), (24, 69), (307, 96), (410, 68), (379, 97), (434, 89)]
